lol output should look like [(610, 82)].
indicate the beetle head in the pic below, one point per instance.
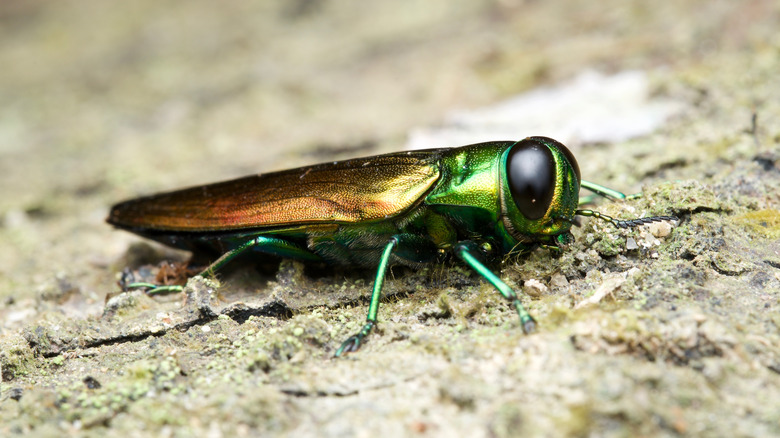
[(540, 185)]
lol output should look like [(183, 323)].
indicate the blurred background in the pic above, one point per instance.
[(103, 101)]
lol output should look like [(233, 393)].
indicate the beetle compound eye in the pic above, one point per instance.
[(530, 171), (566, 152)]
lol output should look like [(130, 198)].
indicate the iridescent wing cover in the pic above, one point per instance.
[(351, 191)]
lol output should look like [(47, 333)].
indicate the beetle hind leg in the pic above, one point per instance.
[(270, 245)]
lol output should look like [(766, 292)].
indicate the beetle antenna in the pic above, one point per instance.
[(625, 223)]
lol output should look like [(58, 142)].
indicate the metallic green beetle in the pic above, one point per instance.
[(477, 202)]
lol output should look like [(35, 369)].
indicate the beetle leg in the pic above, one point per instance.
[(266, 244), (353, 343), (410, 248), (464, 250), (153, 288), (604, 191), (271, 245)]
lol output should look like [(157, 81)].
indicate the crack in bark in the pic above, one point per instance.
[(200, 310)]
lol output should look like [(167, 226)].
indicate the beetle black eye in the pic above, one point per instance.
[(530, 170), (565, 151)]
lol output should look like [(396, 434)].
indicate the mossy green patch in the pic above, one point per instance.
[(16, 357), (763, 222)]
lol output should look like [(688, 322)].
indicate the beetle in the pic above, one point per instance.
[(477, 203)]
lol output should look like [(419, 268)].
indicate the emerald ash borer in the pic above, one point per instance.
[(477, 203)]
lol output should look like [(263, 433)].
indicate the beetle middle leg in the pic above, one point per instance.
[(407, 247)]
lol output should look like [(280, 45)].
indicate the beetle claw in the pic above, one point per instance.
[(529, 327), (353, 343)]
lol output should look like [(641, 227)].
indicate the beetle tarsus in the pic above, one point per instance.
[(526, 320), (529, 326), (353, 343), (153, 289)]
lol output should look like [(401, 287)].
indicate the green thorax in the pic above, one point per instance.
[(473, 197)]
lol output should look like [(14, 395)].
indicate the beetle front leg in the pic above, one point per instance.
[(603, 191), (465, 251)]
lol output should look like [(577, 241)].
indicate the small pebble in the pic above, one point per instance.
[(559, 280), (534, 287), (631, 244), (660, 229)]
